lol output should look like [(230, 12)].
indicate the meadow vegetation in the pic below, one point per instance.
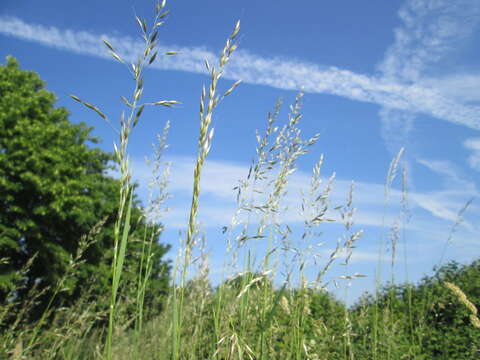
[(82, 269)]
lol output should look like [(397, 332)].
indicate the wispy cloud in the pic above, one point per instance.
[(473, 145), (430, 30), (452, 174), (454, 192), (279, 73), (462, 87), (218, 199)]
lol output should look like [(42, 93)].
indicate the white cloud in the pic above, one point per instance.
[(430, 30), (396, 125), (279, 73), (217, 204), (455, 191), (473, 144), (453, 176), (435, 206), (440, 166), (461, 87)]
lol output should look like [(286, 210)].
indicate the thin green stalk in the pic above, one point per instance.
[(144, 273), (84, 244), (378, 277), (119, 259), (122, 224), (204, 144)]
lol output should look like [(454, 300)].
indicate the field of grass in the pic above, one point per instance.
[(268, 306)]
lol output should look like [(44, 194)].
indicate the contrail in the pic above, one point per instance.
[(275, 72)]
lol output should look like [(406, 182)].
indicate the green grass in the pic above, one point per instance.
[(267, 307)]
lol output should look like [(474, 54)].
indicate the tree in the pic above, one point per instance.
[(425, 320), (453, 336), (53, 190)]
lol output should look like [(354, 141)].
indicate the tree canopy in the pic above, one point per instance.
[(54, 189)]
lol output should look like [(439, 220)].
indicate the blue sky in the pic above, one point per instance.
[(377, 76)]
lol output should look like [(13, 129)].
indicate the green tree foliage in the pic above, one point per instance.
[(453, 336), (425, 321), (53, 190)]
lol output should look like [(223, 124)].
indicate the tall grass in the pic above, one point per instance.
[(127, 124), (208, 102), (268, 306)]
